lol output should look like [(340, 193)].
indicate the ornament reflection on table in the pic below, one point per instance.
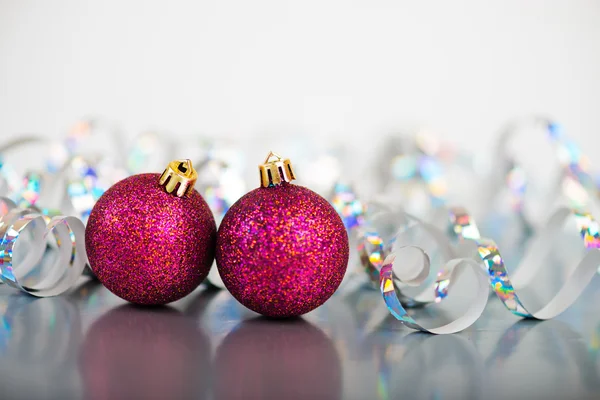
[(152, 353), (290, 359), (282, 250), (150, 238)]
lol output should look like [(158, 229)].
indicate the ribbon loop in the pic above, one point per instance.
[(39, 255)]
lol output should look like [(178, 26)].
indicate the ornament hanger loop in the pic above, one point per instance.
[(275, 170), (180, 175)]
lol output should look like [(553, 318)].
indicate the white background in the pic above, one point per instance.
[(351, 69)]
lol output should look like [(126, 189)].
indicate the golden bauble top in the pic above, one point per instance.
[(275, 170), (180, 175)]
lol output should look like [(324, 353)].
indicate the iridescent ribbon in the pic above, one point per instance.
[(465, 228), (576, 183), (385, 257), (466, 318), (484, 260), (220, 185), (82, 172), (24, 262), (347, 204), (385, 230), (26, 189), (374, 242)]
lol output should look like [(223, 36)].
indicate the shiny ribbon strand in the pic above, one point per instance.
[(380, 258), (394, 276), (576, 184), (505, 287), (25, 239), (383, 256)]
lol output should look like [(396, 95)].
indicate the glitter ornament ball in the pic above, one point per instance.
[(282, 250), (150, 238)]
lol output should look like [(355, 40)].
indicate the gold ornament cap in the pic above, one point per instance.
[(275, 170), (179, 175)]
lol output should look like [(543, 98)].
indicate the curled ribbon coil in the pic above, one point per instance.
[(481, 258), (458, 267), (576, 276), (398, 276), (40, 255), (388, 232), (574, 186)]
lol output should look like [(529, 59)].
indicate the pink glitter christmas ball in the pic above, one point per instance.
[(282, 251), (148, 246)]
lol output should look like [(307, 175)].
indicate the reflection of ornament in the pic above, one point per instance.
[(282, 250), (150, 238), (145, 354), (279, 353), (42, 256)]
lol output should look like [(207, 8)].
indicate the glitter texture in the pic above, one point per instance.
[(282, 251), (148, 246)]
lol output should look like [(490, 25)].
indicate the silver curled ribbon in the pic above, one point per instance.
[(486, 264), (575, 185), (395, 276), (576, 277), (26, 236), (24, 189)]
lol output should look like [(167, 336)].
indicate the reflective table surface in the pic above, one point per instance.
[(89, 344)]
